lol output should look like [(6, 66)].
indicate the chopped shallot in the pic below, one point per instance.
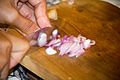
[(71, 45)]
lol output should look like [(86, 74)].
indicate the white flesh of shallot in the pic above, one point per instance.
[(50, 51), (42, 39), (71, 45)]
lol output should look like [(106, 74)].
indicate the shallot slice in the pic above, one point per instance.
[(53, 42), (78, 53), (75, 49), (64, 47), (86, 43), (50, 51), (72, 47)]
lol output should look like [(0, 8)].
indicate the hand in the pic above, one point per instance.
[(25, 15), (12, 50)]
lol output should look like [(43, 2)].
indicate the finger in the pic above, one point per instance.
[(23, 0), (23, 24), (26, 11), (41, 13)]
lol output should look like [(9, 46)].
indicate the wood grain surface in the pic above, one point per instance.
[(93, 19)]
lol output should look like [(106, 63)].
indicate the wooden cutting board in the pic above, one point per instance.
[(93, 19)]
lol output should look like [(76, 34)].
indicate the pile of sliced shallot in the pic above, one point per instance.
[(68, 45)]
